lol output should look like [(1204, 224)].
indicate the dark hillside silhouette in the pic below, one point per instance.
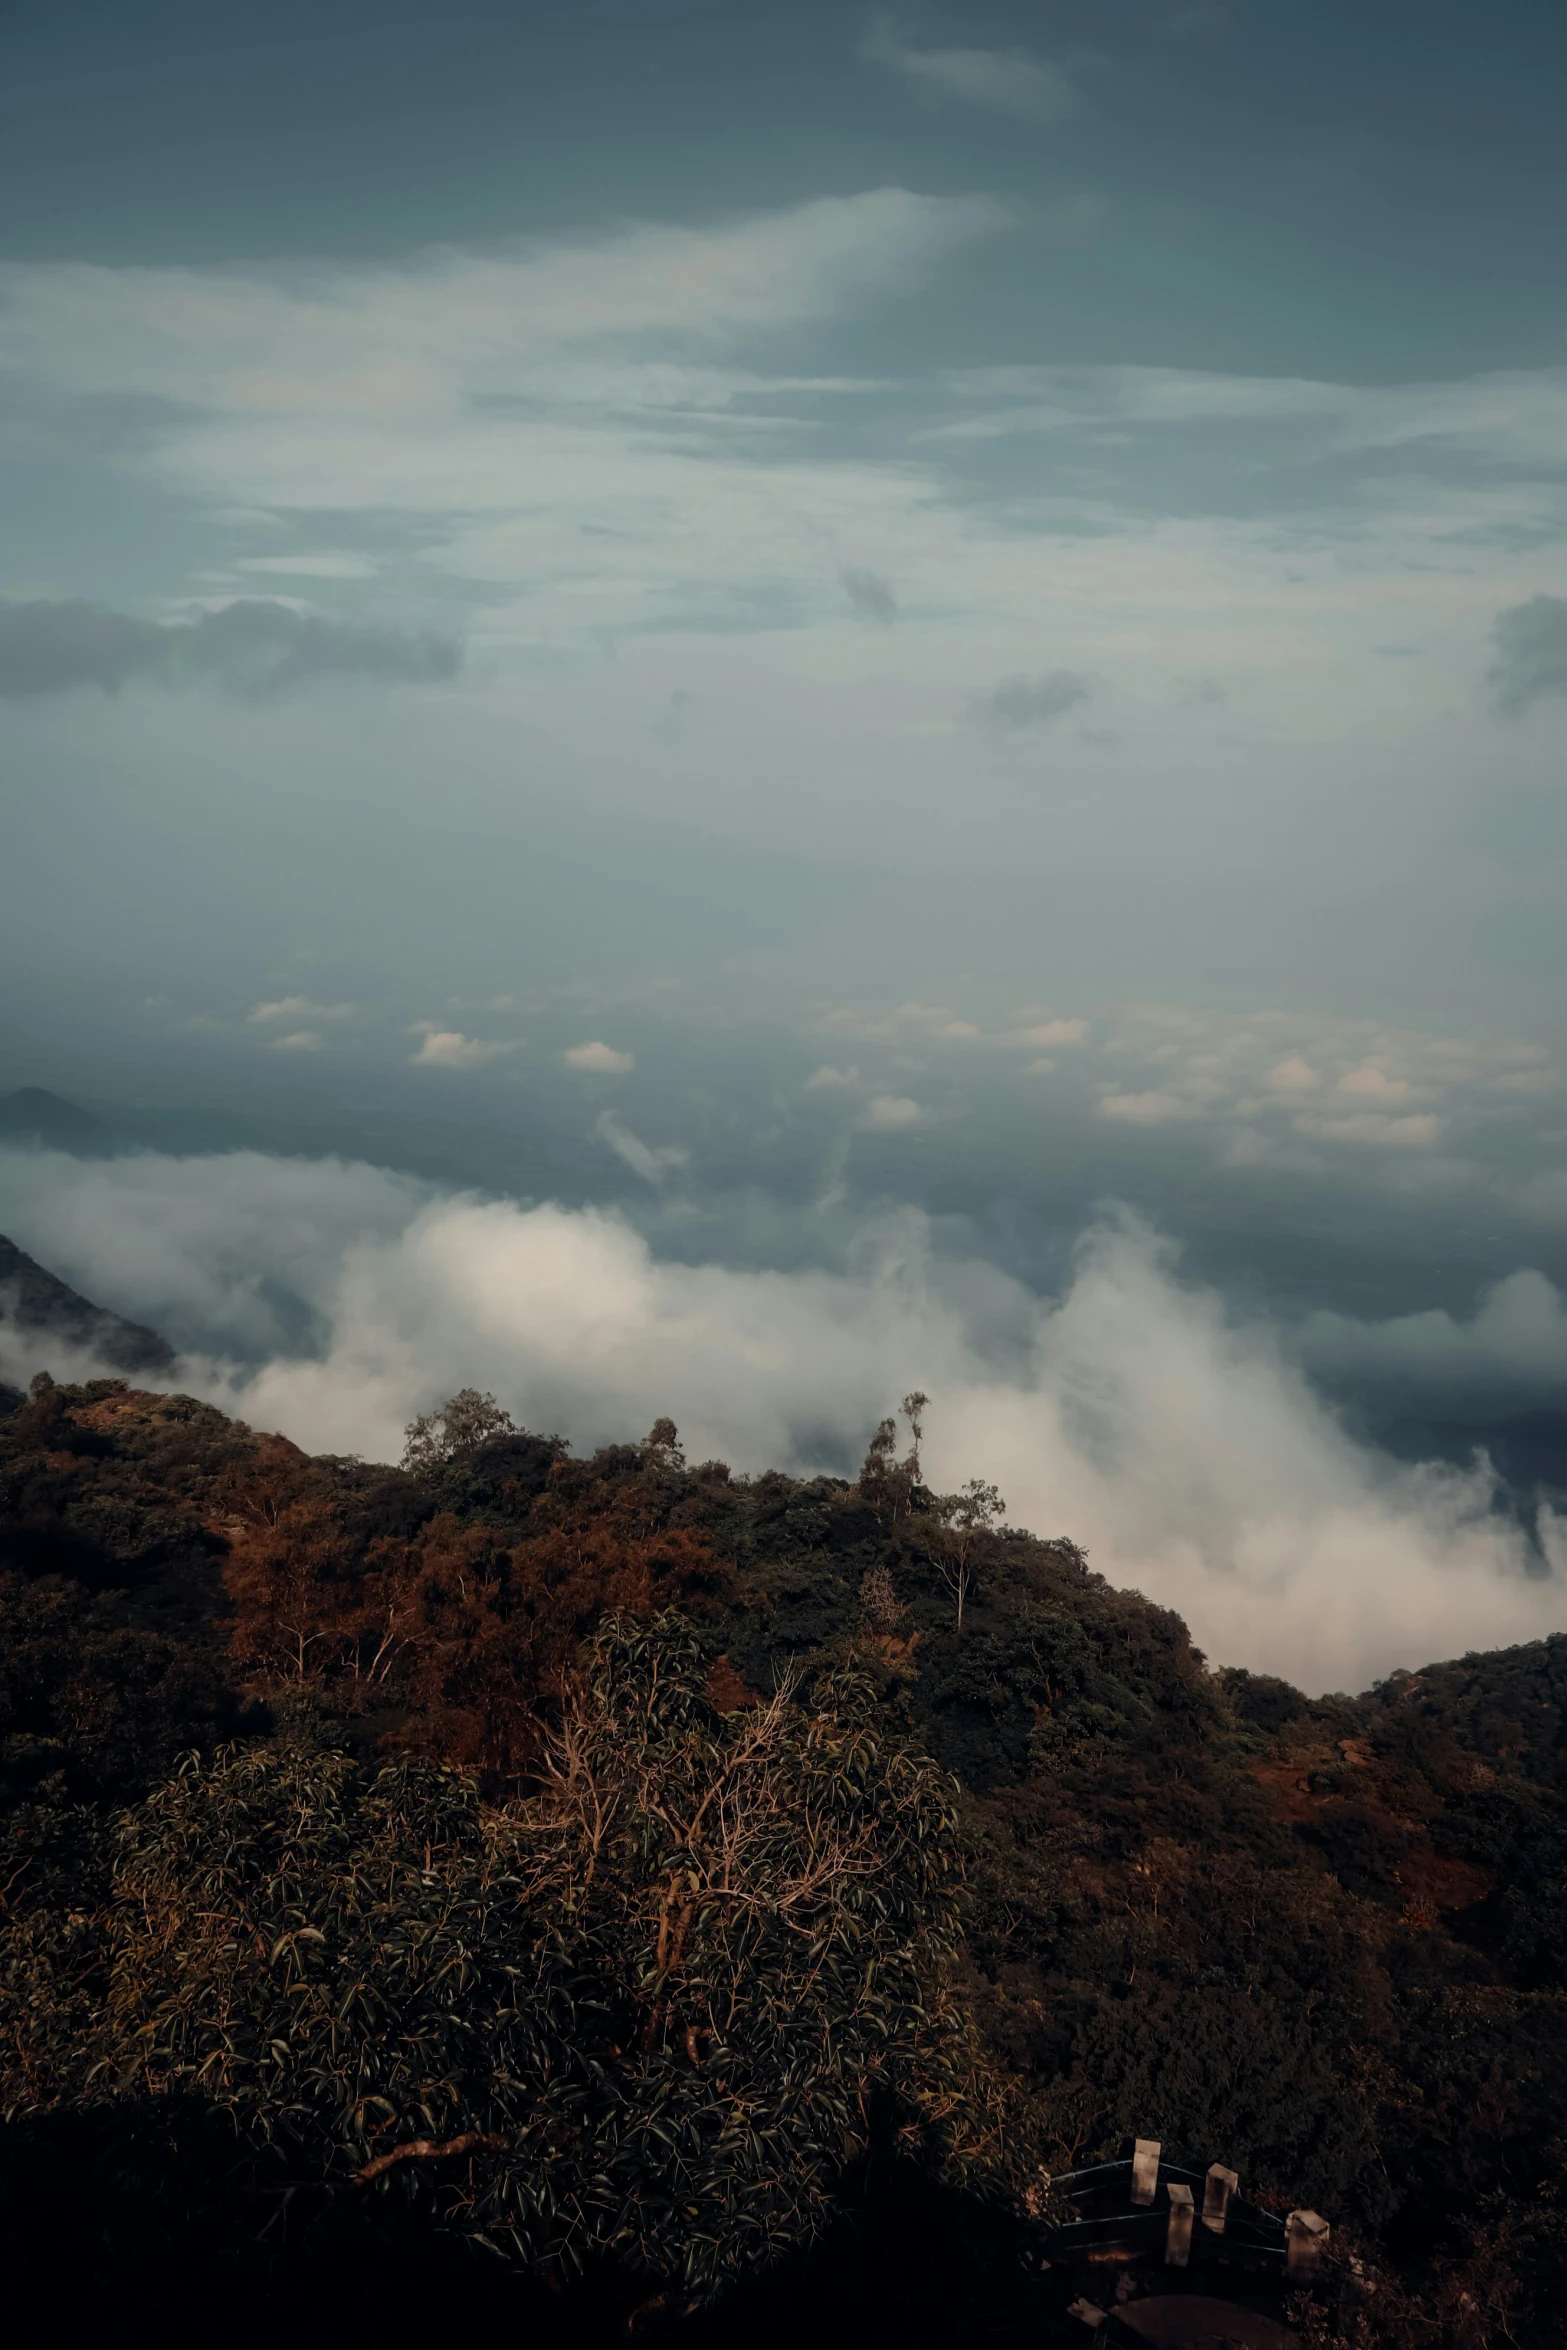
[(646, 1875)]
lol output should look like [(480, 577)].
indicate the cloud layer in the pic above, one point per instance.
[(1179, 1444), (1003, 81), (1531, 653), (252, 647)]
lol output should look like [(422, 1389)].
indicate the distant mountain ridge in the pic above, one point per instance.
[(38, 1304), (32, 1114)]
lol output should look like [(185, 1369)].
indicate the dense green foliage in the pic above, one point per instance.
[(505, 1729)]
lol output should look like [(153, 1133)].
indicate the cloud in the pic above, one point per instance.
[(325, 565), (1517, 417), (1179, 1443), (1510, 1355), (1046, 1035), (601, 1059), (1373, 1081), (1144, 1109), (1293, 1075), (869, 593), (1006, 81), (652, 1164), (888, 1112), (828, 1079), (254, 648), (370, 342), (447, 1048), (1416, 1133), (1531, 654), (299, 1040), (1031, 701), (297, 1007)]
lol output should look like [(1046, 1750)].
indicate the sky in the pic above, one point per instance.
[(761, 628)]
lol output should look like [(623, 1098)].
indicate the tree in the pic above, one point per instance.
[(886, 1482), (643, 2014), (965, 1518), (464, 1422)]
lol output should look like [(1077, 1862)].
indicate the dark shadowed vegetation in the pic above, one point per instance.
[(563, 1891)]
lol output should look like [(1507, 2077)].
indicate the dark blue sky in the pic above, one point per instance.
[(1363, 192)]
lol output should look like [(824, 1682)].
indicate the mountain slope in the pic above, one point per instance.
[(38, 1307), (1317, 1941)]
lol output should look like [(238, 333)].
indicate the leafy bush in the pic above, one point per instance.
[(642, 2016)]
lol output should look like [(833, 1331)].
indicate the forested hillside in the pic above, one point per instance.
[(593, 1885)]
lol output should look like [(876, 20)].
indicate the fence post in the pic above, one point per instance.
[(1178, 2228), (1145, 2169), (1305, 2234), (1216, 2195)]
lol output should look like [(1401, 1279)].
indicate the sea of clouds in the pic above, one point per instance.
[(1185, 1447)]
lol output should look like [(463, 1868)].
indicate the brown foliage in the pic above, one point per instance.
[(464, 1630)]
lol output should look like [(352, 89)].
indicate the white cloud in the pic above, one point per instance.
[(299, 1040), (1519, 416), (1414, 1133), (1180, 1446), (908, 1024), (886, 1112), (298, 1007), (601, 1060), (325, 565), (1293, 1075), (651, 1163), (374, 346), (1144, 1109), (828, 1079), (448, 1048), (1373, 1082), (1047, 1035), (1004, 81)]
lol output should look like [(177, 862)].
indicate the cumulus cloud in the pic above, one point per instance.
[(1373, 1082), (254, 648), (298, 1040), (1531, 654), (828, 1079), (1144, 1109), (1047, 1035), (601, 1059), (887, 1112), (448, 1048), (1006, 81), (1030, 701), (869, 593), (1182, 1446)]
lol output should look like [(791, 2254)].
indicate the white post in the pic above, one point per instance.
[(1305, 2234), (1216, 2195), (1178, 2228), (1145, 2169)]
